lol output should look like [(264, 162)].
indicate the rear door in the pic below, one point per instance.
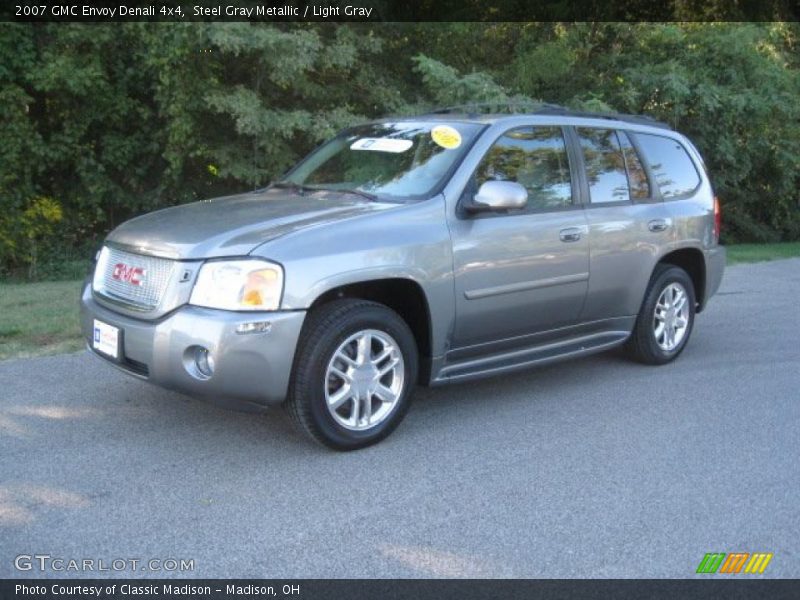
[(628, 222), (688, 198), (521, 271)]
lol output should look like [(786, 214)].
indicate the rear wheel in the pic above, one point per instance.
[(355, 368), (666, 318)]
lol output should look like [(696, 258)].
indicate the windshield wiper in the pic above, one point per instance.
[(289, 185), (307, 188), (367, 195)]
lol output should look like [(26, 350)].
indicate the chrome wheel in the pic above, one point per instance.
[(671, 318), (364, 380)]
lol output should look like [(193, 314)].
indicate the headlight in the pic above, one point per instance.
[(238, 285), (101, 263)]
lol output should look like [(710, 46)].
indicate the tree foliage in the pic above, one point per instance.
[(102, 122)]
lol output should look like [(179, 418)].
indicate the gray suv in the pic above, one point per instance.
[(427, 250)]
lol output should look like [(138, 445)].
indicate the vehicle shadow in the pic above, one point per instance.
[(95, 400)]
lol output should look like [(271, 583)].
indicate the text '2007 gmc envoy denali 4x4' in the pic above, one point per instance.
[(429, 250)]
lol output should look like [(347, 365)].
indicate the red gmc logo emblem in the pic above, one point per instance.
[(128, 274)]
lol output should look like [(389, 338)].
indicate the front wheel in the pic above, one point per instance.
[(666, 318), (355, 368)]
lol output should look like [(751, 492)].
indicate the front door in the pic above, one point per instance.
[(521, 271)]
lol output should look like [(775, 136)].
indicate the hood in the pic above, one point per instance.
[(235, 225)]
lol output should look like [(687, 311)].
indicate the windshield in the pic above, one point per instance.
[(403, 160)]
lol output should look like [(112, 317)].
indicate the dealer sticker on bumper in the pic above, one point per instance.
[(106, 339)]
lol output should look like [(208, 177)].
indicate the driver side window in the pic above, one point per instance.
[(535, 157)]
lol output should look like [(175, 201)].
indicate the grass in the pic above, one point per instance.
[(749, 253), (42, 318), (39, 318)]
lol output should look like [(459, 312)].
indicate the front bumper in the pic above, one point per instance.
[(252, 368)]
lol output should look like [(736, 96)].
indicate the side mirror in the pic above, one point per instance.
[(499, 195)]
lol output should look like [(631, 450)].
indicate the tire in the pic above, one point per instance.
[(337, 394), (646, 344)]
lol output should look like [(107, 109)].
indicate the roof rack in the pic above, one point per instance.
[(543, 108), (501, 106)]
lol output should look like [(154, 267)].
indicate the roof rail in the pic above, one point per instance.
[(544, 108), (501, 106), (628, 118)]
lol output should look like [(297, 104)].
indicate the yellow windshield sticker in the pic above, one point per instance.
[(446, 136)]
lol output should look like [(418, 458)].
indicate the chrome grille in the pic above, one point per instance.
[(153, 278)]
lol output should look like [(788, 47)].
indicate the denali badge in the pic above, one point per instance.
[(128, 274)]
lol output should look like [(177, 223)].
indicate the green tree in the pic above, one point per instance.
[(107, 121)]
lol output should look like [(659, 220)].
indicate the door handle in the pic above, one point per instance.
[(570, 234), (657, 225)]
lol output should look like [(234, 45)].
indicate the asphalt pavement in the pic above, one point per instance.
[(593, 468)]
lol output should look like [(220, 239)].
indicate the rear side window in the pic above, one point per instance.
[(637, 177), (535, 157), (605, 165), (673, 169)]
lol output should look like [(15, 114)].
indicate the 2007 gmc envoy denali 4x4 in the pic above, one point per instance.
[(429, 250)]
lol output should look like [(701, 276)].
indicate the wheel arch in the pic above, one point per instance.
[(404, 296), (692, 260)]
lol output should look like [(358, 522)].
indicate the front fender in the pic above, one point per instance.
[(411, 242)]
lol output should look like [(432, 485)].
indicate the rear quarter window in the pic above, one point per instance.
[(674, 170)]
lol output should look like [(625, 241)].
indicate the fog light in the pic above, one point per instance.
[(254, 327), (204, 361)]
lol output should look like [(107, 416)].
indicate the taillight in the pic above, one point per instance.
[(717, 219)]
